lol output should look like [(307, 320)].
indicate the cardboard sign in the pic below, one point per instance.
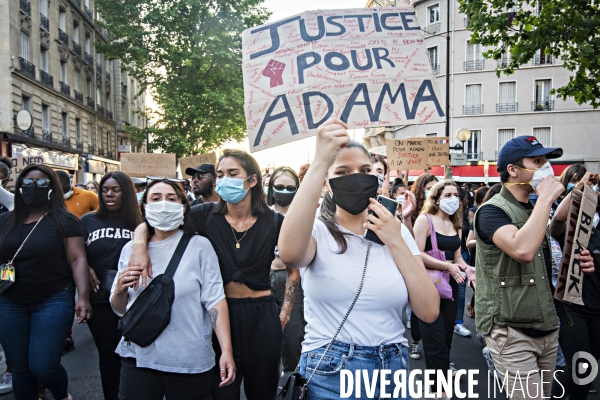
[(195, 161), (18, 164), (407, 154), (149, 164), (582, 207), (368, 67), (439, 151)]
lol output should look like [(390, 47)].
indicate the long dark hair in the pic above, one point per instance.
[(56, 204), (276, 174), (187, 225), (249, 164), (418, 188), (567, 175), (328, 207), (130, 211)]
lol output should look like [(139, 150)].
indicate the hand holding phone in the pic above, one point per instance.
[(389, 205)]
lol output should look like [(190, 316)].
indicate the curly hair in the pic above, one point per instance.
[(418, 188), (303, 170), (431, 206)]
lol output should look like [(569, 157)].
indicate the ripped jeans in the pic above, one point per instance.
[(325, 383)]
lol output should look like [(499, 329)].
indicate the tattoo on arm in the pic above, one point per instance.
[(292, 291), (214, 314)]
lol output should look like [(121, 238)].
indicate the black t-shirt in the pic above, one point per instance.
[(104, 240), (448, 244), (41, 267), (251, 263), (3, 209), (197, 201), (494, 218)]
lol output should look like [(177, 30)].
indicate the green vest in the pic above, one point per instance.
[(509, 293)]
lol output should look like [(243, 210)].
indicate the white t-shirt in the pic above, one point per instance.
[(185, 346), (331, 281)]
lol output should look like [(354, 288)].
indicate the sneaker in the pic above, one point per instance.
[(460, 329), (481, 338), (6, 383), (453, 369), (489, 360), (69, 345), (414, 353)]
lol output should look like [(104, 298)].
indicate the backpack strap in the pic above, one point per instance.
[(176, 258)]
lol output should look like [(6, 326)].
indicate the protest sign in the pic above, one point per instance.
[(149, 164), (407, 153), (195, 161), (368, 67), (439, 151), (573, 214), (18, 163)]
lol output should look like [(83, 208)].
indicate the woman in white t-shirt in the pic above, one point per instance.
[(334, 252)]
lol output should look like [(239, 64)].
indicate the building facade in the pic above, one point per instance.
[(79, 100), (496, 109)]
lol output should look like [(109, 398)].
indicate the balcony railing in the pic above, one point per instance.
[(504, 62), (78, 2), (476, 65), (63, 37), (109, 154), (507, 107), (44, 22), (107, 76), (47, 79), (78, 97), (543, 59), (98, 69), (30, 133), (79, 145), (46, 136), (473, 109), (432, 29), (466, 22), (90, 102), (542, 105), (66, 141), (65, 89), (88, 12), (91, 148), (100, 109), (436, 69), (25, 6), (109, 114), (27, 67), (76, 48), (88, 58), (101, 152), (474, 156)]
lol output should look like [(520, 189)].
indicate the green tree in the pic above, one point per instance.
[(188, 52), (565, 29)]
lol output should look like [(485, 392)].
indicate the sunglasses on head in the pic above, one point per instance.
[(382, 156), (291, 188), (42, 182), (162, 178)]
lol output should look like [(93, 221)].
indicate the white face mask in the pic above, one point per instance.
[(449, 205), (164, 215), (541, 173)]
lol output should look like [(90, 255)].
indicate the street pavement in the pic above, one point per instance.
[(84, 377)]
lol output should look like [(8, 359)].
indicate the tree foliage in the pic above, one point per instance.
[(565, 29), (189, 53)]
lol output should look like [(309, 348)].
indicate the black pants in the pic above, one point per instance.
[(104, 326), (437, 336), (149, 384), (583, 335), (256, 338), (415, 330), (293, 334)]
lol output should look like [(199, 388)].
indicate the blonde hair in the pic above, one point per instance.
[(431, 207)]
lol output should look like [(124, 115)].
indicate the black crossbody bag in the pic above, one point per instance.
[(150, 313)]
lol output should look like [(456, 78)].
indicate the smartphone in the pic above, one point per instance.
[(389, 205)]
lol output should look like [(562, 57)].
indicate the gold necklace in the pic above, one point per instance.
[(237, 242)]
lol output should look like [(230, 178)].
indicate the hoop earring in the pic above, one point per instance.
[(49, 192)]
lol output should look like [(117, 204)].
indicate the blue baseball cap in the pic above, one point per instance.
[(524, 146)]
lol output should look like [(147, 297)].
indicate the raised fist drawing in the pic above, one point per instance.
[(274, 71)]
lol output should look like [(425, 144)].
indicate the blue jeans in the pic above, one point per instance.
[(33, 336), (325, 383), (461, 293)]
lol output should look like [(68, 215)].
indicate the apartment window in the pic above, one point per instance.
[(76, 33), (78, 129), (26, 103), (88, 45), (62, 20), (24, 46), (76, 80), (473, 100), (44, 60), (99, 96), (44, 7), (473, 146), (543, 135), (65, 124), (90, 137), (63, 72), (99, 58), (108, 102), (507, 97), (434, 14), (88, 85), (474, 57), (542, 95), (107, 65), (433, 59), (87, 3), (504, 135), (45, 118)]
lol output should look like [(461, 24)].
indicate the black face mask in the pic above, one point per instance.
[(35, 196), (352, 192), (283, 199)]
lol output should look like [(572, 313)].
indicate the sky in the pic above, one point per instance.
[(301, 151)]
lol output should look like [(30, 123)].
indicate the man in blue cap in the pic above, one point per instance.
[(514, 297)]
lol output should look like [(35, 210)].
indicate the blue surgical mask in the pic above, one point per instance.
[(570, 186), (426, 193), (380, 180), (231, 189), (266, 190), (139, 196)]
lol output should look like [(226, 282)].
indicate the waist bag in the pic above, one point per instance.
[(150, 313)]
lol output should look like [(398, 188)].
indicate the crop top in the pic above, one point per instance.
[(251, 263)]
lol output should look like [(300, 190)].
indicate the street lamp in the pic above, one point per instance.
[(463, 135)]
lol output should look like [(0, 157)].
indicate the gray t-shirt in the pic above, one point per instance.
[(185, 346)]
